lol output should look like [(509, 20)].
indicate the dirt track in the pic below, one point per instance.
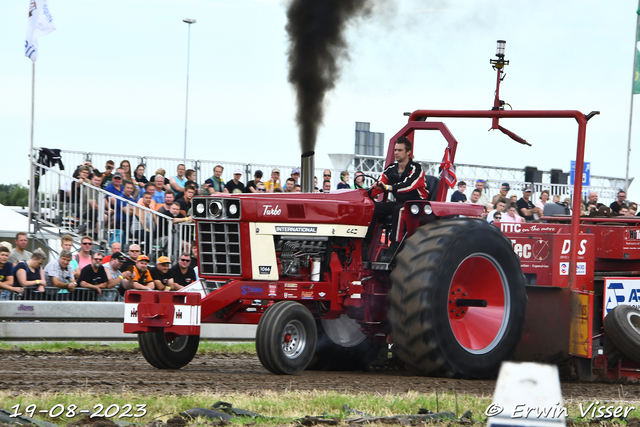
[(112, 372)]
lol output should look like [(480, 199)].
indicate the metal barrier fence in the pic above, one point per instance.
[(204, 168), (52, 293), (82, 209), (605, 187), (87, 321)]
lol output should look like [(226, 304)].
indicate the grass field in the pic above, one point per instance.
[(275, 409)]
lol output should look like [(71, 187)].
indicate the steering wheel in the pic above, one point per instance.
[(370, 190)]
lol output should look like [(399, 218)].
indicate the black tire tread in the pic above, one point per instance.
[(621, 333), (415, 336), (155, 350), (267, 336)]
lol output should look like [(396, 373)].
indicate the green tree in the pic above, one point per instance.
[(14, 195)]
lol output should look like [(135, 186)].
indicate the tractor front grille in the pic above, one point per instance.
[(219, 248)]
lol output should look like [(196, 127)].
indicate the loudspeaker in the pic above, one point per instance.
[(559, 177), (532, 174)]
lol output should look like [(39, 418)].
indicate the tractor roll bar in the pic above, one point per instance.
[(417, 120)]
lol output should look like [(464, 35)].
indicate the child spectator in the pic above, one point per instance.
[(458, 195), (107, 175), (191, 180), (344, 180)]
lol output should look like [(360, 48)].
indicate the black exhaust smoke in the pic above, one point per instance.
[(317, 46)]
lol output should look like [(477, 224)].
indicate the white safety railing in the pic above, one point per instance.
[(82, 209), (204, 168), (494, 176)]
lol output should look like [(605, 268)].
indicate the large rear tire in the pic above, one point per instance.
[(354, 353), (168, 351), (286, 338), (457, 302), (622, 326)]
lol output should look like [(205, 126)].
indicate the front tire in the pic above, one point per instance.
[(168, 351), (622, 326), (457, 302), (286, 338)]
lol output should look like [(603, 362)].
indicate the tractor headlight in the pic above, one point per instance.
[(428, 210), (200, 208), (233, 209), (415, 209)]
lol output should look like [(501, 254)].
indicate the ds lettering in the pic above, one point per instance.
[(566, 247)]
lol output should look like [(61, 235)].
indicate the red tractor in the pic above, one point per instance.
[(458, 297)]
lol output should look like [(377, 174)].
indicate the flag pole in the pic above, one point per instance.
[(31, 156), (635, 60)]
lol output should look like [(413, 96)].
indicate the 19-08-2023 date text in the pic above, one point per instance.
[(69, 411)]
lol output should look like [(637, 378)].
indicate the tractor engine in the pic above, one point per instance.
[(302, 253)]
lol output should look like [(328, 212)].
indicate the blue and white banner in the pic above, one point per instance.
[(40, 23), (621, 291)]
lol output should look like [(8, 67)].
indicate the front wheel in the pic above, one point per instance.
[(457, 302), (168, 351), (286, 338)]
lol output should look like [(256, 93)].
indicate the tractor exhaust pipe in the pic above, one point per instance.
[(308, 170)]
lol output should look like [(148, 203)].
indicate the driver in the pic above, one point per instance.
[(405, 179)]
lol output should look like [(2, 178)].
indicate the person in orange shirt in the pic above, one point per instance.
[(142, 279)]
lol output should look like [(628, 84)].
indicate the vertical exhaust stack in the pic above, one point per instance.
[(308, 170)]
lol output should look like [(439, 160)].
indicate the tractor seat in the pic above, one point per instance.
[(433, 184)]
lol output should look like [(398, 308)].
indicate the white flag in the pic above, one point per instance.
[(40, 23)]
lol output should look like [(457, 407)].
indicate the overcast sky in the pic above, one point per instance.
[(112, 79)]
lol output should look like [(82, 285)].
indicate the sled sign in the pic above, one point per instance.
[(620, 291)]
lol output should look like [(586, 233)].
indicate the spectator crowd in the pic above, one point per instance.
[(505, 207), (107, 278)]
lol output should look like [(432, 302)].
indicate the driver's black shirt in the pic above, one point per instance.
[(408, 185)]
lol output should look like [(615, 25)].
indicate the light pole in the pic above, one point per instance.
[(186, 108)]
